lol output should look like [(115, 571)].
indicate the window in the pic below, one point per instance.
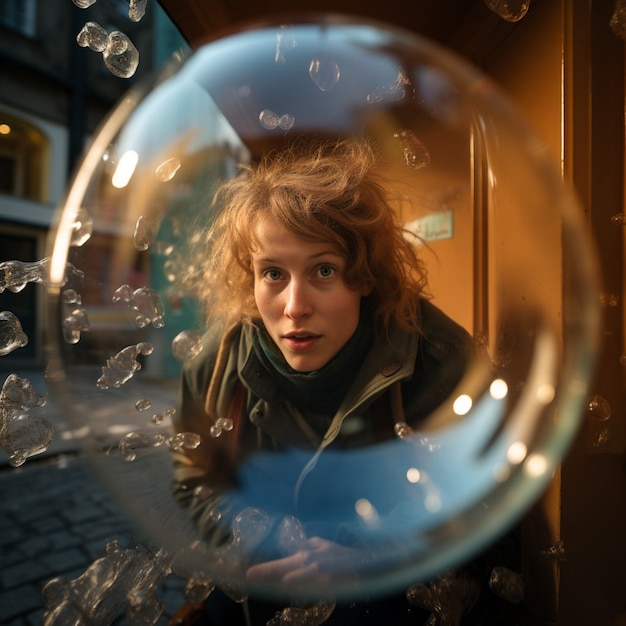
[(19, 15), (22, 153)]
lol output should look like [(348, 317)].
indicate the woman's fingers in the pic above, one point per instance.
[(278, 568)]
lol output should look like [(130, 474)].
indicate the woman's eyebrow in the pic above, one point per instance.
[(316, 255)]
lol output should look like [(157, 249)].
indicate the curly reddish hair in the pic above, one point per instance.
[(322, 192)]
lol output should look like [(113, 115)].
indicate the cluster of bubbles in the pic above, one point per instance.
[(119, 53), (135, 440), (127, 580), (23, 435), (136, 8), (121, 579)]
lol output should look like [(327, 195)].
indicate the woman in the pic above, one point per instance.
[(321, 341)]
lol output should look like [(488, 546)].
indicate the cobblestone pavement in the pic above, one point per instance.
[(56, 519), (56, 515)]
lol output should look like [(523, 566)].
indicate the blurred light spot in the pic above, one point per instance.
[(545, 393), (432, 503), (498, 389), (77, 433), (413, 475), (366, 511), (536, 465), (119, 429), (462, 404), (5, 129), (517, 452), (125, 169)]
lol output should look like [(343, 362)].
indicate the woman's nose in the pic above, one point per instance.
[(298, 303)]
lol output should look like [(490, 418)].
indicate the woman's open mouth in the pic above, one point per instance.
[(301, 341)]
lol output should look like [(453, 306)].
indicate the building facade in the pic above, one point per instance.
[(54, 93)]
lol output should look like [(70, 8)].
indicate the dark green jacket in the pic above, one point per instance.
[(227, 377)]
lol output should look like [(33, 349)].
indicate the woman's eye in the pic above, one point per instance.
[(272, 274), (325, 271)]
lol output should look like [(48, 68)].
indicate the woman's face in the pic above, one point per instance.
[(302, 297)]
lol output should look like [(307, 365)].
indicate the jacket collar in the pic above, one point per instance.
[(391, 359)]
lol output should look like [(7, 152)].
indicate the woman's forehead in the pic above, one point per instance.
[(272, 238)]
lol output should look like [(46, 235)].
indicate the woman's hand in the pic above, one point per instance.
[(313, 564)]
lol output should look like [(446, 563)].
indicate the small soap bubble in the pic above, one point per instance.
[(131, 442), (137, 9), (83, 4), (324, 73), (250, 527), (285, 41), (221, 424), (93, 36), (120, 56), (167, 170), (507, 584), (123, 366), (303, 616), (286, 121), (145, 301), (143, 404), (399, 90), (117, 42), (157, 418), (12, 335), (18, 394), (556, 553), (416, 154), (15, 275), (186, 345), (608, 299), (198, 588), (509, 10), (26, 436), (71, 296), (75, 323), (618, 19), (159, 439), (291, 535), (185, 441), (269, 119), (225, 423), (598, 408), (402, 430), (619, 219), (170, 412), (22, 436), (145, 231), (202, 492), (601, 440), (82, 228)]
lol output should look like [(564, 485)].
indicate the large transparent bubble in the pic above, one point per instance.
[(507, 259)]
